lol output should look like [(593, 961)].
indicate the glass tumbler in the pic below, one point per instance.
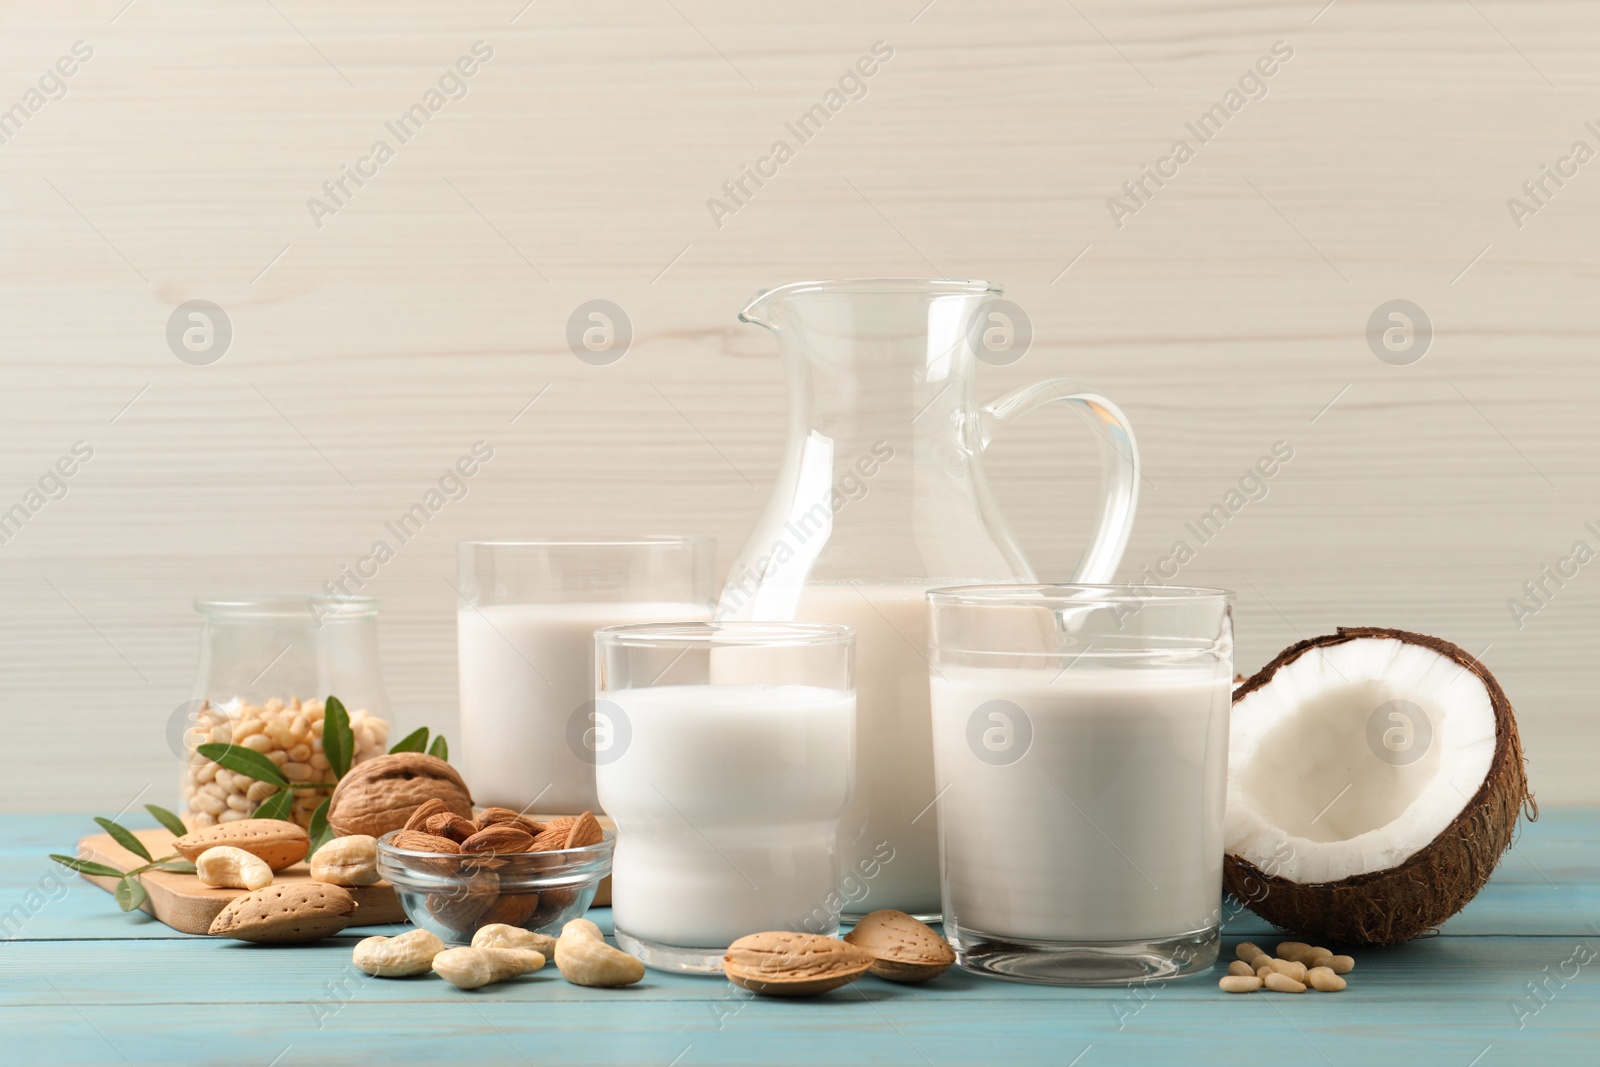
[(525, 630), (731, 761), (1081, 750)]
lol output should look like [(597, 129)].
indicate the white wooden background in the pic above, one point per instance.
[(370, 353)]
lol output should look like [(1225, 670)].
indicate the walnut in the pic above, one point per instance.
[(380, 794)]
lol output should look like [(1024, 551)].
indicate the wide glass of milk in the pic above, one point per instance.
[(732, 761), (1081, 754), (527, 613)]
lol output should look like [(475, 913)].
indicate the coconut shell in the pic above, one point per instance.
[(1398, 904)]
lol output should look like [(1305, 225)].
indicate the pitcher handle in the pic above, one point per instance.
[(1119, 465)]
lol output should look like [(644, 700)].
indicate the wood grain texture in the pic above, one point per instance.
[(83, 983), (427, 313), (184, 903)]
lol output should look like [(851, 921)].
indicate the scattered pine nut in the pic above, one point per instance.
[(1282, 983), (1324, 980), (1290, 968), (1297, 966)]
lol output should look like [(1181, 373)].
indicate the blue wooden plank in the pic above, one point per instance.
[(83, 983), (123, 973), (1447, 1002)]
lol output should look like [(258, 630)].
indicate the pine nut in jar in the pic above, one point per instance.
[(267, 665)]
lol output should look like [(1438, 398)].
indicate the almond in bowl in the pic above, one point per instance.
[(511, 872)]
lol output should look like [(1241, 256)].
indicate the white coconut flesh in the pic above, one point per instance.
[(1354, 757)]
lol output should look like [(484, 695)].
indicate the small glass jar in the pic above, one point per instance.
[(267, 666)]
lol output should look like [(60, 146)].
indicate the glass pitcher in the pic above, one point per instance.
[(881, 495)]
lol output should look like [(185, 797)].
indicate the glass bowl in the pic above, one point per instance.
[(453, 895)]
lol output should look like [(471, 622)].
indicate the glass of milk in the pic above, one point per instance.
[(732, 761), (527, 613), (1081, 754)]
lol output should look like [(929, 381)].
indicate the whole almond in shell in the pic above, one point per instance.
[(500, 838), (276, 843), (383, 793), (903, 949), (285, 913), (786, 964)]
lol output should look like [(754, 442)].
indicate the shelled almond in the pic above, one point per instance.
[(473, 850)]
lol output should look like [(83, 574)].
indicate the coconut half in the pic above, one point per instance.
[(1375, 778)]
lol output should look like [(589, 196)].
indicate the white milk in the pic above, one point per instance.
[(889, 842), (1109, 827), (727, 801), (525, 669)]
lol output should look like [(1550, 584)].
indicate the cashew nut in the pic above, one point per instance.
[(226, 867), (584, 958), (398, 957), (348, 861), (499, 935), (469, 968)]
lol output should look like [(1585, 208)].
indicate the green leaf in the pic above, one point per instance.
[(242, 760), (177, 866), (338, 742), (167, 819), (277, 806), (321, 833), (440, 748), (98, 870), (415, 741), (130, 894), (121, 836)]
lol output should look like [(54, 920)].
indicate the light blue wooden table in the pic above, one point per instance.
[(1514, 979)]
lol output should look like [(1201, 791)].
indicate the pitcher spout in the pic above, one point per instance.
[(760, 310)]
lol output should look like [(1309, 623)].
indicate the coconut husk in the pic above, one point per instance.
[(1387, 907)]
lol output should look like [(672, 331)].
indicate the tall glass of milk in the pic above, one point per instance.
[(527, 613), (733, 761), (1081, 752)]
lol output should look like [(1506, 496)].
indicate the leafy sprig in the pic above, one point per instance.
[(338, 745), (417, 741), (130, 892)]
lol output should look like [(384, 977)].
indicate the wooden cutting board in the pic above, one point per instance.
[(180, 901), (183, 903)]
